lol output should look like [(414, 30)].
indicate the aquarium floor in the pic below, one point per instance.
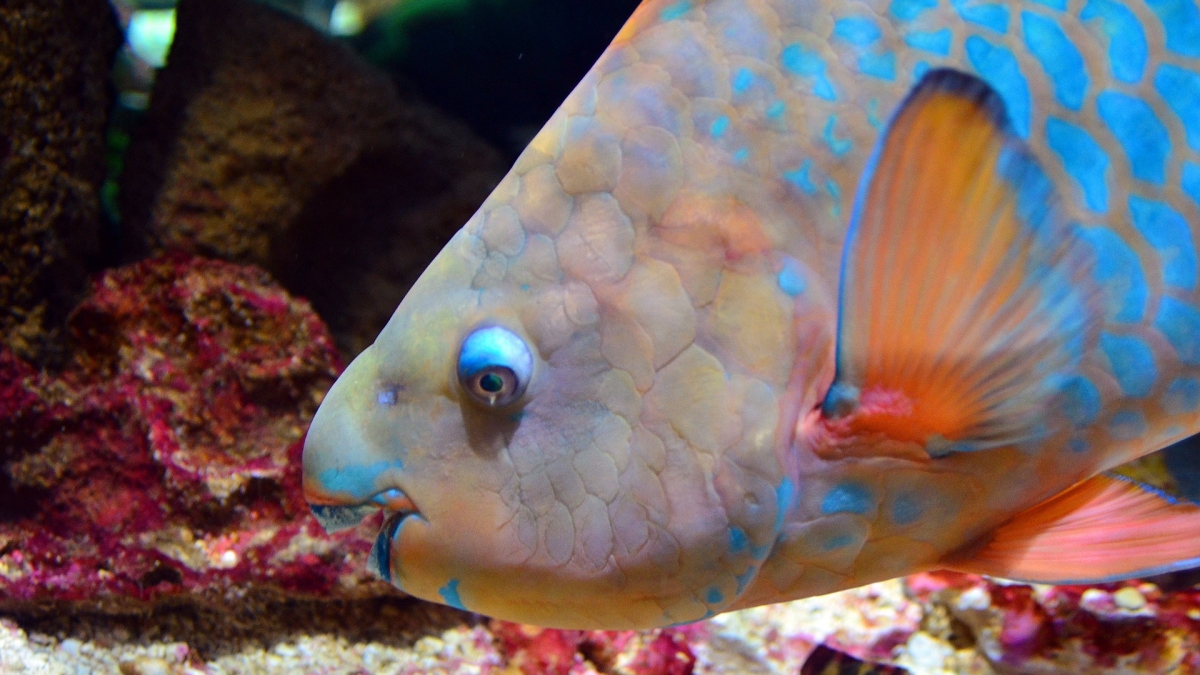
[(765, 640)]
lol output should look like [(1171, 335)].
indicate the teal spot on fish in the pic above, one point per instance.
[(907, 10), (742, 80), (720, 126), (675, 11), (1083, 158), (839, 541), (785, 499), (1119, 271), (839, 146), (807, 63), (1127, 51), (1167, 231), (1179, 322), (835, 192), (800, 177), (1190, 181), (882, 65), (1181, 19), (1081, 401), (919, 70), (1182, 396), (906, 509), (355, 480), (997, 65), (1180, 88), (1127, 425), (791, 278), (744, 578), (1059, 58), (934, 42), (848, 497), (1132, 363), (858, 31), (714, 596), (449, 593), (741, 155), (873, 114), (759, 552), (738, 541), (1060, 5), (776, 110), (1140, 133), (1077, 445), (988, 15)]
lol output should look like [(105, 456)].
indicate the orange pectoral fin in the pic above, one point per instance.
[(1104, 529), (965, 296)]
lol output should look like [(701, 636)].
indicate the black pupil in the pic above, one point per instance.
[(491, 383)]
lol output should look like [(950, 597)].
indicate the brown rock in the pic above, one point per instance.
[(55, 57), (267, 143)]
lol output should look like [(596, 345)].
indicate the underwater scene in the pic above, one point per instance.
[(549, 337)]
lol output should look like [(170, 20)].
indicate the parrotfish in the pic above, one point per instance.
[(792, 296)]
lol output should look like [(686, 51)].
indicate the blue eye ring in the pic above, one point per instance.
[(494, 366)]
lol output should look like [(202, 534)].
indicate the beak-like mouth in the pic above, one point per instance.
[(395, 505), (379, 562)]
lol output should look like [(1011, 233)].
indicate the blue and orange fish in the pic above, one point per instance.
[(792, 296)]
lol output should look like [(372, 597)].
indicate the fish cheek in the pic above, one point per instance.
[(489, 432), (465, 546)]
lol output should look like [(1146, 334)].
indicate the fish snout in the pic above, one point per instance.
[(347, 476)]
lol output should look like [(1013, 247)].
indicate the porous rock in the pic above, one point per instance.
[(164, 459), (1062, 630), (268, 143), (55, 57)]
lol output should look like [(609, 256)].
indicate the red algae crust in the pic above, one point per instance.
[(1127, 627), (164, 458)]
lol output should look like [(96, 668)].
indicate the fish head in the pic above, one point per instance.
[(580, 415), (546, 450)]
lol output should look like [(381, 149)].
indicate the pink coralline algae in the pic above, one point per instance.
[(165, 456), (536, 651), (1127, 627)]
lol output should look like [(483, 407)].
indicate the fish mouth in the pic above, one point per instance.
[(379, 562), (396, 506)]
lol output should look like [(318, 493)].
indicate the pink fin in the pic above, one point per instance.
[(1103, 529)]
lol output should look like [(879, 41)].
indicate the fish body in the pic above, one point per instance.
[(791, 296)]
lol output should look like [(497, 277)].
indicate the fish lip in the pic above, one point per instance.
[(379, 562), (335, 517)]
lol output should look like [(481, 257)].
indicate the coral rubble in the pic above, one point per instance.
[(872, 623), (164, 457), (1128, 627), (54, 101)]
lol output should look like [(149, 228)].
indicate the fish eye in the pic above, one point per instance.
[(494, 366)]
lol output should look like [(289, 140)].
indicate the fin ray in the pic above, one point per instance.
[(1104, 529), (964, 292)]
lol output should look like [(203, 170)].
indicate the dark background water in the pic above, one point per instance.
[(503, 67)]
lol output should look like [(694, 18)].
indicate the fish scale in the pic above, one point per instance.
[(750, 380), (1107, 95)]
